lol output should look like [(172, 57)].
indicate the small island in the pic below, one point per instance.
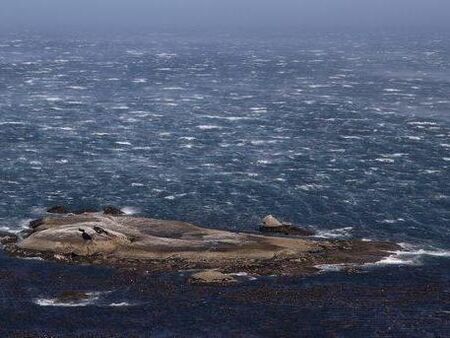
[(112, 238)]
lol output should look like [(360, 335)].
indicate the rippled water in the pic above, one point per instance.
[(346, 133)]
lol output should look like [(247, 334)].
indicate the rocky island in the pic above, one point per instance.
[(111, 238)]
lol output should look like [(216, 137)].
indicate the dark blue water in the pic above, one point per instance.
[(346, 133)]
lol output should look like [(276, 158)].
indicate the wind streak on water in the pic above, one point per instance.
[(319, 130)]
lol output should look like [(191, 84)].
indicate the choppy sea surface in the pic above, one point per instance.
[(346, 133)]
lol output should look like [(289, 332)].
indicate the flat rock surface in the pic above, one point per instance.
[(211, 277), (162, 245)]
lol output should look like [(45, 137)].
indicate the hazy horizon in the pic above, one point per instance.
[(214, 14)]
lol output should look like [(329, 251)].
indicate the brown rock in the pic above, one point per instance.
[(271, 222), (211, 277)]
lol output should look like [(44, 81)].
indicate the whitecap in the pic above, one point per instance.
[(54, 302), (331, 267), (424, 252), (24, 224), (394, 260), (334, 233), (228, 118), (12, 123), (414, 138), (173, 88), (410, 249), (392, 221), (134, 53), (166, 55), (9, 182), (208, 127), (395, 155), (309, 187), (92, 298), (351, 137), (130, 210), (240, 274), (53, 99), (410, 256), (38, 210), (77, 87), (9, 230), (431, 172), (422, 123), (259, 109), (264, 162), (385, 160), (244, 275), (122, 304)]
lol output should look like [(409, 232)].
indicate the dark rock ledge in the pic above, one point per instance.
[(152, 245)]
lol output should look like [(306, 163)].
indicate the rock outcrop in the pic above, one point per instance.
[(159, 245), (212, 277)]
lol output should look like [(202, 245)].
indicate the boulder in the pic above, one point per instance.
[(271, 224), (211, 277), (59, 209), (113, 211)]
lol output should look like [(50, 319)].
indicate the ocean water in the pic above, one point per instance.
[(345, 133)]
